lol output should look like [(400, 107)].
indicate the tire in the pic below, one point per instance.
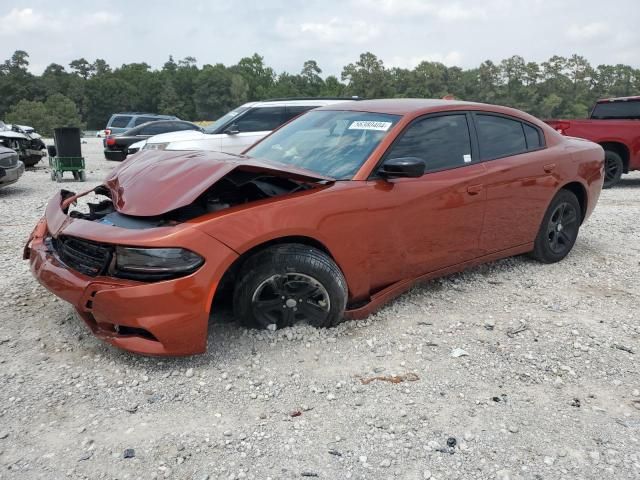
[(57, 176), (613, 167), (559, 229), (287, 284), (53, 175), (83, 176), (76, 175)]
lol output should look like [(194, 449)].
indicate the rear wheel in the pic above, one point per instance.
[(613, 167), (559, 229), (289, 284)]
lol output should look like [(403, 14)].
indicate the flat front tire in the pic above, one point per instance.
[(559, 229), (289, 284)]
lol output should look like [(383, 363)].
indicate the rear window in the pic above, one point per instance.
[(499, 136), (629, 110), (121, 121), (533, 137)]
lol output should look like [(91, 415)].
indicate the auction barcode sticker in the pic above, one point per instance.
[(370, 125)]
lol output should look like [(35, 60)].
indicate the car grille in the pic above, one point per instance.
[(8, 160), (84, 256)]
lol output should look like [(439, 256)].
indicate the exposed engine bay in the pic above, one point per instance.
[(236, 188)]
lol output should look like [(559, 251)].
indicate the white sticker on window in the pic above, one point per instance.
[(370, 125), (467, 158)]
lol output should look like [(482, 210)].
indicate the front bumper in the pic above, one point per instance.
[(11, 175), (161, 318)]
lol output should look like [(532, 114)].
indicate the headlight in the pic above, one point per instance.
[(155, 263), (155, 146)]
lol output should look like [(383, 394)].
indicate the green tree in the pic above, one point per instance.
[(367, 77), (82, 67), (32, 113), (63, 112)]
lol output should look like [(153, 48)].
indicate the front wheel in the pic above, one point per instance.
[(289, 284), (559, 229), (613, 168)]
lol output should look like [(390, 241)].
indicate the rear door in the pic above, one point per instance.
[(434, 221), (252, 125), (518, 180)]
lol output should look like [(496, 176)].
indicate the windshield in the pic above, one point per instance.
[(224, 119), (332, 143)]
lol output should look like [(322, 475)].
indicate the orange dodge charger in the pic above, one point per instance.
[(335, 213)]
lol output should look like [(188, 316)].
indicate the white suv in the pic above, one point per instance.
[(238, 129)]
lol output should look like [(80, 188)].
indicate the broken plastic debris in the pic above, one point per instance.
[(407, 377)]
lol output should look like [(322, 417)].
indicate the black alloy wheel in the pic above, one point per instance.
[(284, 300), (613, 168), (562, 228), (559, 228), (287, 284)]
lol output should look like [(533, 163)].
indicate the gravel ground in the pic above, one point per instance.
[(511, 370)]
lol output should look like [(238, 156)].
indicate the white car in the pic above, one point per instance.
[(238, 129)]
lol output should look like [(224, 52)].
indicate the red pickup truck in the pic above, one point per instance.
[(614, 123)]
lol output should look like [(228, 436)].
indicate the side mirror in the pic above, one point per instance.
[(232, 129), (409, 167)]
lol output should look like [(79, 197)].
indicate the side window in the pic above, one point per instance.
[(156, 128), (261, 119), (532, 136), (443, 142), (295, 111), (499, 136), (179, 126), (121, 121), (186, 126), (141, 120)]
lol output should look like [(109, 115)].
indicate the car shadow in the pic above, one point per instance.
[(14, 190), (628, 183), (226, 337)]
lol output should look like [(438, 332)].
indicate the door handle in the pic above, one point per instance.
[(550, 167), (474, 189)]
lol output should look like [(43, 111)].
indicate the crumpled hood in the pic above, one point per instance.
[(155, 182)]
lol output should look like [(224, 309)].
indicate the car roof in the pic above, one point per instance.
[(302, 102), (403, 106), (619, 99), (143, 114)]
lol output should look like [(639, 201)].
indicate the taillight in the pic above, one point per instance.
[(110, 140), (560, 127), (107, 131)]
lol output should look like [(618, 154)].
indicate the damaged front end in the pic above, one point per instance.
[(136, 198), (126, 254), (28, 145)]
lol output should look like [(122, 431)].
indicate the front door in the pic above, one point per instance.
[(435, 221)]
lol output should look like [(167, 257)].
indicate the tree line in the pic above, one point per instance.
[(86, 93)]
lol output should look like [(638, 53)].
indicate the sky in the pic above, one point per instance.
[(333, 32)]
